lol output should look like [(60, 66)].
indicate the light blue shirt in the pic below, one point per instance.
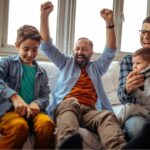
[(70, 73)]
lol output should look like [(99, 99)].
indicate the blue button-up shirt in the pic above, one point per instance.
[(70, 73)]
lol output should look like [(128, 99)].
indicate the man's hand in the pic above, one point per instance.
[(34, 108), (47, 8), (107, 15), (20, 106), (134, 80)]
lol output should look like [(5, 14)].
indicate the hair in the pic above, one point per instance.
[(27, 32), (146, 20), (144, 53), (84, 38)]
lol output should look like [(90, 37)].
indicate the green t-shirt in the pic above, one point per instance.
[(27, 83)]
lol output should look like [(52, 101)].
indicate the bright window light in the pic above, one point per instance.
[(90, 24), (28, 12), (133, 18)]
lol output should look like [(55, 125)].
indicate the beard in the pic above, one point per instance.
[(82, 63)]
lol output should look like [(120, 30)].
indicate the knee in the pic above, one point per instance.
[(20, 126), (44, 124), (108, 114), (69, 104), (106, 117), (134, 126)]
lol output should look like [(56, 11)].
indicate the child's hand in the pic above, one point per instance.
[(134, 80), (34, 108), (20, 106)]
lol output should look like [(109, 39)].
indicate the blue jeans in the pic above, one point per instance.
[(133, 126)]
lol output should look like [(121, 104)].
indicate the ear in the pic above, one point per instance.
[(17, 46), (92, 53)]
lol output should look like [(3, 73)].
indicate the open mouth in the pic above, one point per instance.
[(80, 57), (146, 43)]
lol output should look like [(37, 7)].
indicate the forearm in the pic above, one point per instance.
[(124, 97), (107, 15), (110, 36), (44, 27), (42, 103)]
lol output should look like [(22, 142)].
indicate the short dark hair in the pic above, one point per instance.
[(146, 20), (143, 52), (85, 38), (27, 32)]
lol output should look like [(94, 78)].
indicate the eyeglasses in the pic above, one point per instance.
[(144, 32)]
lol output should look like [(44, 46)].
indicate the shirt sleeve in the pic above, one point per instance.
[(5, 91), (125, 68), (104, 61)]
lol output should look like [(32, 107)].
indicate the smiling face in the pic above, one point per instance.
[(28, 50), (27, 43), (145, 35), (83, 52)]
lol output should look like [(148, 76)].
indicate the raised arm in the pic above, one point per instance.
[(107, 15), (46, 9)]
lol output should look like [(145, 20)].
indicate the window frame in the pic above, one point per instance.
[(65, 27)]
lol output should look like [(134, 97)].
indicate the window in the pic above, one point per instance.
[(72, 19), (89, 23), (134, 14), (27, 12)]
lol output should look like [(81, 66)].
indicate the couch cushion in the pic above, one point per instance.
[(53, 74), (110, 82)]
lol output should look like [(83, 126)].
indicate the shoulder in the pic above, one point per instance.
[(9, 59), (126, 61), (127, 58)]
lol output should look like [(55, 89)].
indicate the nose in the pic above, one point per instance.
[(147, 35), (30, 53), (134, 67), (80, 51)]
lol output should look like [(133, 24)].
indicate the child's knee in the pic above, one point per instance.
[(44, 124), (19, 126)]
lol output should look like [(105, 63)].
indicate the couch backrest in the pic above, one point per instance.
[(110, 82), (52, 72)]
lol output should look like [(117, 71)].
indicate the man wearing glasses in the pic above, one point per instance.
[(129, 81)]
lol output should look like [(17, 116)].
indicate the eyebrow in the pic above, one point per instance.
[(30, 46)]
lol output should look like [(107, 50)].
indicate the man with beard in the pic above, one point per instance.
[(78, 97)]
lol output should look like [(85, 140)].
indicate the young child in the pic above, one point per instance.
[(141, 64), (24, 95)]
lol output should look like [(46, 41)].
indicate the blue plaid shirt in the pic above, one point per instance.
[(125, 68)]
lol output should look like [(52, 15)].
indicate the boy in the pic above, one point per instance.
[(24, 94)]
